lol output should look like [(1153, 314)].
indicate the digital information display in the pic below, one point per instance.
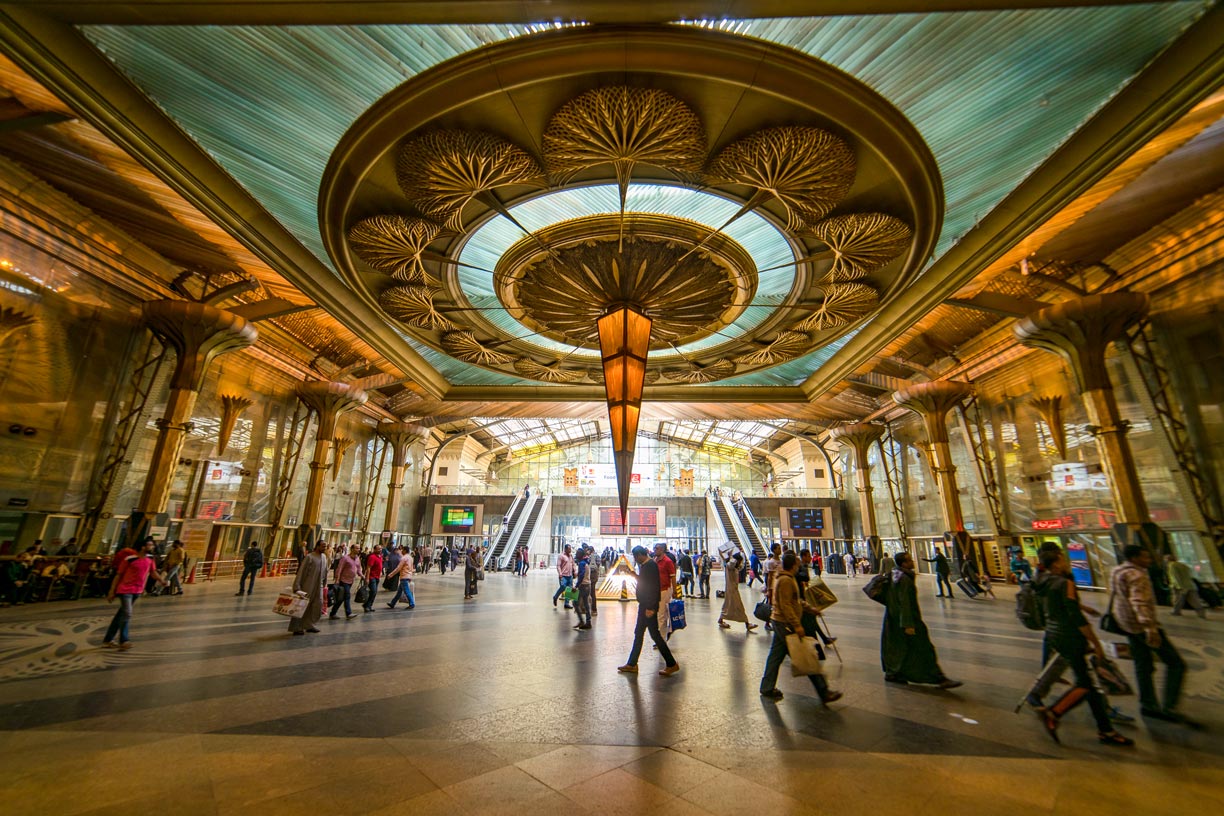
[(643, 521), (458, 519), (805, 521)]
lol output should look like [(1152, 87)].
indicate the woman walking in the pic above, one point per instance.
[(733, 607)]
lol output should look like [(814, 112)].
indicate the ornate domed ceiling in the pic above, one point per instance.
[(755, 209)]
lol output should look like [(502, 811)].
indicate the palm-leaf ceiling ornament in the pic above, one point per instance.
[(414, 305), (394, 244), (843, 304), (550, 372), (862, 242), (624, 127), (786, 346), (805, 169), (442, 171), (464, 345), (697, 373)]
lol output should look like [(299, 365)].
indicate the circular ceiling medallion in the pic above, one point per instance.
[(755, 202), (560, 280)]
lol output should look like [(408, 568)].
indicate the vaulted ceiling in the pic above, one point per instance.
[(256, 137)]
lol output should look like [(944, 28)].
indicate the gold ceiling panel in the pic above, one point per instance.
[(843, 304), (467, 347), (862, 242), (414, 305), (393, 244)]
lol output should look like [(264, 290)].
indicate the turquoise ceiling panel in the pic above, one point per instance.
[(993, 93)]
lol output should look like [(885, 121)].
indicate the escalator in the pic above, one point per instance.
[(731, 530), (500, 546), (751, 529), (524, 533)]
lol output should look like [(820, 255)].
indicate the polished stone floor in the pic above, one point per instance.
[(499, 706)]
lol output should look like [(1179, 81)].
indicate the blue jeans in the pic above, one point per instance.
[(123, 616), (563, 583), (247, 572), (404, 591), (372, 593)]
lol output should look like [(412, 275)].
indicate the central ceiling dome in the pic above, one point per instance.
[(561, 279), (755, 205)]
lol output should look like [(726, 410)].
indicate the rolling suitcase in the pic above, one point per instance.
[(969, 589)]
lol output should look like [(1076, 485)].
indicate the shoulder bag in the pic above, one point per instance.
[(1109, 623)]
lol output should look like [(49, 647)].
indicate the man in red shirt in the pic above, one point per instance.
[(373, 573), (667, 586)]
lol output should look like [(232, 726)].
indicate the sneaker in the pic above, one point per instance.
[(668, 671), (772, 694), (350, 617), (627, 669), (390, 606), (123, 647), (412, 606)]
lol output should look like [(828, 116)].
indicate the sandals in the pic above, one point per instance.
[(722, 625), (1114, 738)]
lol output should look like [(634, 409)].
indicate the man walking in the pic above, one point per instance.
[(906, 650), (704, 565), (1134, 608), (565, 574), (1181, 580), (348, 567), (667, 586), (402, 575), (585, 588), (788, 619), (373, 574), (309, 579), (648, 616), (943, 570), (174, 565), (128, 585), (686, 573), (252, 563)]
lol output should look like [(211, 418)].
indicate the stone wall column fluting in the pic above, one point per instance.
[(329, 400), (932, 401), (859, 438), (198, 333), (400, 436), (1080, 331)]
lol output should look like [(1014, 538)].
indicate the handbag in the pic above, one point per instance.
[(1113, 681), (480, 574), (570, 594), (803, 657), (363, 594), (763, 611), (675, 611), (1108, 622), (877, 588), (819, 596), (290, 604), (390, 582)]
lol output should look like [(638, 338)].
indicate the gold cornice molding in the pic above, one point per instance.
[(59, 57), (1184, 74), (595, 394), (371, 12)]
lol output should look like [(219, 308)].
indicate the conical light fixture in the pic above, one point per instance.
[(624, 340)]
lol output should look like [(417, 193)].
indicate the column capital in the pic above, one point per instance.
[(401, 436), (932, 401), (197, 333), (859, 437), (329, 400), (1080, 331)]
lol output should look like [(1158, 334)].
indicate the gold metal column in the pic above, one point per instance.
[(197, 333), (932, 401), (400, 436), (329, 400), (859, 437), (1080, 332)]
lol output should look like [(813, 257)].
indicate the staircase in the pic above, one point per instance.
[(731, 530), (751, 531), (504, 535), (524, 533)]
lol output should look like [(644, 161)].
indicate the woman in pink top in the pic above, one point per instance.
[(130, 579)]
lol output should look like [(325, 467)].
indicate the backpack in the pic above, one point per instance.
[(1028, 608), (877, 588)]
